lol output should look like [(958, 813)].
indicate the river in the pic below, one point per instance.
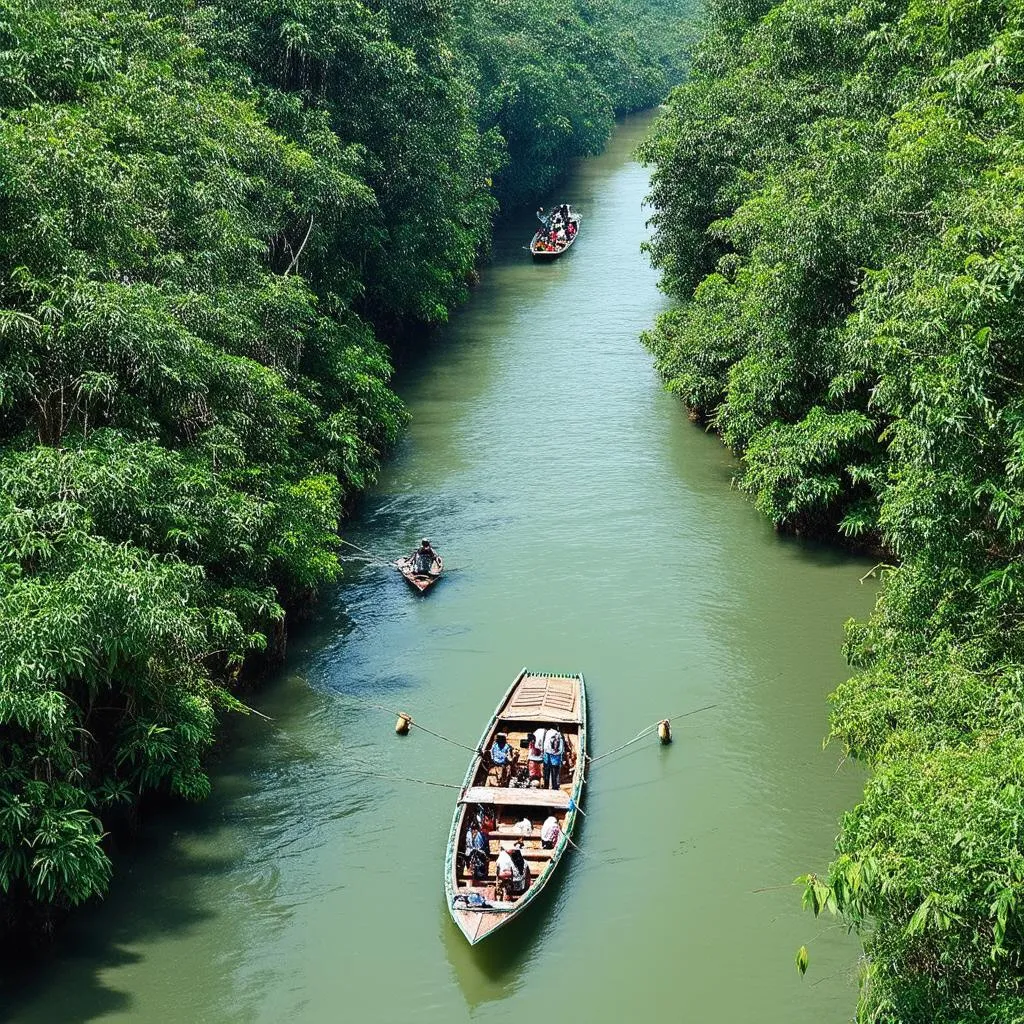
[(591, 528)]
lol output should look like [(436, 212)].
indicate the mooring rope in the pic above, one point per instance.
[(371, 773), (368, 555), (412, 722), (646, 732)]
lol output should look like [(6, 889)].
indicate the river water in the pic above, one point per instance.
[(593, 529)]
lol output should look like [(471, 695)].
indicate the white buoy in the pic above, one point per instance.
[(665, 731)]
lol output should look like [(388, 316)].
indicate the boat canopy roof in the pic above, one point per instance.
[(543, 699), (499, 796)]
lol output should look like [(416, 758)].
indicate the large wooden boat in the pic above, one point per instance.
[(542, 249), (479, 905), (422, 581)]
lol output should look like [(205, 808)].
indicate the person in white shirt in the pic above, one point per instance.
[(549, 833), (554, 747), (505, 871)]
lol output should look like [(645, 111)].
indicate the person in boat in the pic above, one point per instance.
[(564, 211), (549, 833), (424, 557), (554, 748), (503, 757), (535, 759), (520, 870), (543, 217), (512, 873), (504, 870), (477, 852)]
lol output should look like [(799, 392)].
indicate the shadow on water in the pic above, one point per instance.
[(160, 895), (156, 911)]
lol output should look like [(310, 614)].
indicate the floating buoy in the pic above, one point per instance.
[(403, 723), (665, 731)]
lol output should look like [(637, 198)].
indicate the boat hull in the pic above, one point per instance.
[(533, 700), (546, 255), (420, 581)]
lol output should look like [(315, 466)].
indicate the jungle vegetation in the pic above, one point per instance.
[(214, 215), (839, 194)]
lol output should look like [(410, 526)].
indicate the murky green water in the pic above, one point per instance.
[(594, 530)]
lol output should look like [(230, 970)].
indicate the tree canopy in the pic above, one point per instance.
[(839, 217), (213, 216)]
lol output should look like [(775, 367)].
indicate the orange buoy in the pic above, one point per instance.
[(403, 723), (665, 731)]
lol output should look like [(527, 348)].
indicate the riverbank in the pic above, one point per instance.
[(543, 433), (839, 223), (212, 212)]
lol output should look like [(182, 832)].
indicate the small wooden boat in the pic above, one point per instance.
[(542, 249), (481, 904), (422, 581)]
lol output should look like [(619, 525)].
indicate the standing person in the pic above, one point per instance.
[(505, 871), (542, 216), (535, 758), (554, 747), (503, 757)]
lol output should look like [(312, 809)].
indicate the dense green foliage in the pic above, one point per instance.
[(841, 219), (209, 213)]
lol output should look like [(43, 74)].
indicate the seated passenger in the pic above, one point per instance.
[(523, 827), (423, 557), (520, 879), (505, 874), (549, 833), (477, 852), (503, 757)]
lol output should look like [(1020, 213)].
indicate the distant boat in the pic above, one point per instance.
[(532, 701), (422, 581), (542, 249)]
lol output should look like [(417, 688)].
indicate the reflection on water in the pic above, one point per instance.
[(589, 528)]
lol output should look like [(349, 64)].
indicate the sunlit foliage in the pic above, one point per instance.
[(840, 217), (210, 211)]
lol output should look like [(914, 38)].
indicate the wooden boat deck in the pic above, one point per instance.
[(532, 701), (422, 581), (544, 699)]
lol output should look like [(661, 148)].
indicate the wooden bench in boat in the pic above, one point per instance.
[(516, 797), (492, 874)]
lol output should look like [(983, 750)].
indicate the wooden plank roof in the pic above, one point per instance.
[(553, 798), (544, 699)]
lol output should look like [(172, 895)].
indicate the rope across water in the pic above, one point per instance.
[(646, 732)]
